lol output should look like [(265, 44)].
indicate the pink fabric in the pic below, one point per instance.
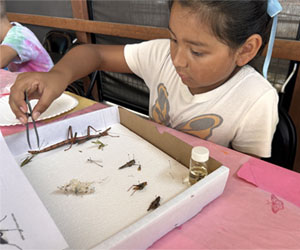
[(244, 216), (274, 179)]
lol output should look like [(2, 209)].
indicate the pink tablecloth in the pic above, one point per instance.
[(245, 216)]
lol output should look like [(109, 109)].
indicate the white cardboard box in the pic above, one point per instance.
[(148, 227)]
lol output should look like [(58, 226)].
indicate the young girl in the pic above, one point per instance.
[(20, 50), (199, 79)]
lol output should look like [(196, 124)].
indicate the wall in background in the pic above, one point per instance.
[(58, 8)]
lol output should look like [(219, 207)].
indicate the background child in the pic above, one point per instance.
[(199, 79), (20, 50)]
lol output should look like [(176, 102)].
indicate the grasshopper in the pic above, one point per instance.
[(154, 204), (137, 187)]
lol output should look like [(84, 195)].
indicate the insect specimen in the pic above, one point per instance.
[(171, 175), (72, 139), (3, 239), (100, 144), (170, 166), (103, 180), (128, 164), (154, 204), (27, 160), (77, 187), (94, 161), (137, 187)]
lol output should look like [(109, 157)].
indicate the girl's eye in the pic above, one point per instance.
[(173, 40), (196, 53)]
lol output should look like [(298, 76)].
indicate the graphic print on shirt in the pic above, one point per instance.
[(201, 126), (161, 108)]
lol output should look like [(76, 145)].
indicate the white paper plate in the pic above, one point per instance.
[(61, 105)]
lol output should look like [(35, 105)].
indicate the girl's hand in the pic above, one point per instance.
[(45, 86), (77, 63)]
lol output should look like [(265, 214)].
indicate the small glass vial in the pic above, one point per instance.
[(198, 164)]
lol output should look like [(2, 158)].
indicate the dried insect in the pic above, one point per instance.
[(101, 144), (4, 240), (128, 164), (139, 168), (137, 187), (154, 204), (27, 160), (77, 187), (102, 180), (72, 139), (94, 161), (171, 175)]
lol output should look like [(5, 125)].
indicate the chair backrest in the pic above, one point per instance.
[(130, 94), (58, 43), (284, 144)]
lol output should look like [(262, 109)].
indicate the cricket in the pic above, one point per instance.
[(137, 187)]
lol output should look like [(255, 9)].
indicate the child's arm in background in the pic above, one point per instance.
[(7, 54), (79, 62)]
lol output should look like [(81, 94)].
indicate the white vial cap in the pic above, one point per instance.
[(200, 154)]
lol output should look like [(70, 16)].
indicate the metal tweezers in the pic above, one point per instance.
[(29, 114)]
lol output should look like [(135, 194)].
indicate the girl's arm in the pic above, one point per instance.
[(47, 86), (7, 54)]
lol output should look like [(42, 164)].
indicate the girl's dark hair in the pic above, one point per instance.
[(233, 21)]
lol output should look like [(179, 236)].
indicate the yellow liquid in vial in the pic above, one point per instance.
[(197, 173)]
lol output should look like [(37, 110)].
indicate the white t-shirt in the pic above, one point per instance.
[(242, 113)]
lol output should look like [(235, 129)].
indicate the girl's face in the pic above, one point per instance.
[(200, 59)]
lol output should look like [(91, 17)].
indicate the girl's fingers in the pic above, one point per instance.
[(24, 82), (43, 103), (18, 105), (46, 95), (16, 99), (43, 86)]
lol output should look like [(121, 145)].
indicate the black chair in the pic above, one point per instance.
[(131, 93), (58, 42), (284, 144)]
